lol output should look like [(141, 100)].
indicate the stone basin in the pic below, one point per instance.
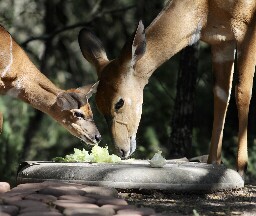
[(175, 176)]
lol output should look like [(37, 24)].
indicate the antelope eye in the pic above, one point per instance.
[(78, 114), (119, 104)]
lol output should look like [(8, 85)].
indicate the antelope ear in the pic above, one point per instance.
[(71, 100), (92, 49), (66, 102), (134, 48), (89, 90)]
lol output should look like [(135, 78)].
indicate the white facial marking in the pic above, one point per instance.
[(221, 94), (77, 127), (197, 34), (133, 143), (8, 67)]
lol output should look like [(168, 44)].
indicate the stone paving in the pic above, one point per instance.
[(52, 198)]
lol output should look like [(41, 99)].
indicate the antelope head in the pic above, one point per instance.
[(119, 96), (75, 113)]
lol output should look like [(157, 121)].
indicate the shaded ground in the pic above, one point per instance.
[(237, 202)]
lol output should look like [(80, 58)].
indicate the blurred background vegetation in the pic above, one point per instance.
[(47, 30)]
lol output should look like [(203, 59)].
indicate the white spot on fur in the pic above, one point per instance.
[(251, 93), (17, 87), (138, 109), (239, 33), (18, 84), (77, 127), (197, 34), (133, 143), (8, 67), (129, 101), (216, 37), (221, 94)]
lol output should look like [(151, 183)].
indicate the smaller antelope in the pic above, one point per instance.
[(20, 78)]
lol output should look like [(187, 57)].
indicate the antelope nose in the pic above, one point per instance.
[(124, 153), (98, 137)]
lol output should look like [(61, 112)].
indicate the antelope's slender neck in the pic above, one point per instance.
[(173, 29), (35, 89), (21, 79)]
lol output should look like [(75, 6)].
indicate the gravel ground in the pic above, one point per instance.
[(237, 202)]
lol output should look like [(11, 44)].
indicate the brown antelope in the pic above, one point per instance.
[(21, 79), (228, 26)]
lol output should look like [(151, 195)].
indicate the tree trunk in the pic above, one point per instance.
[(180, 140)]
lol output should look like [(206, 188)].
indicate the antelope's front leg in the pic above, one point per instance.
[(246, 68), (222, 61)]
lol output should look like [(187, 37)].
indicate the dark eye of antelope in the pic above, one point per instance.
[(78, 114), (119, 104)]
